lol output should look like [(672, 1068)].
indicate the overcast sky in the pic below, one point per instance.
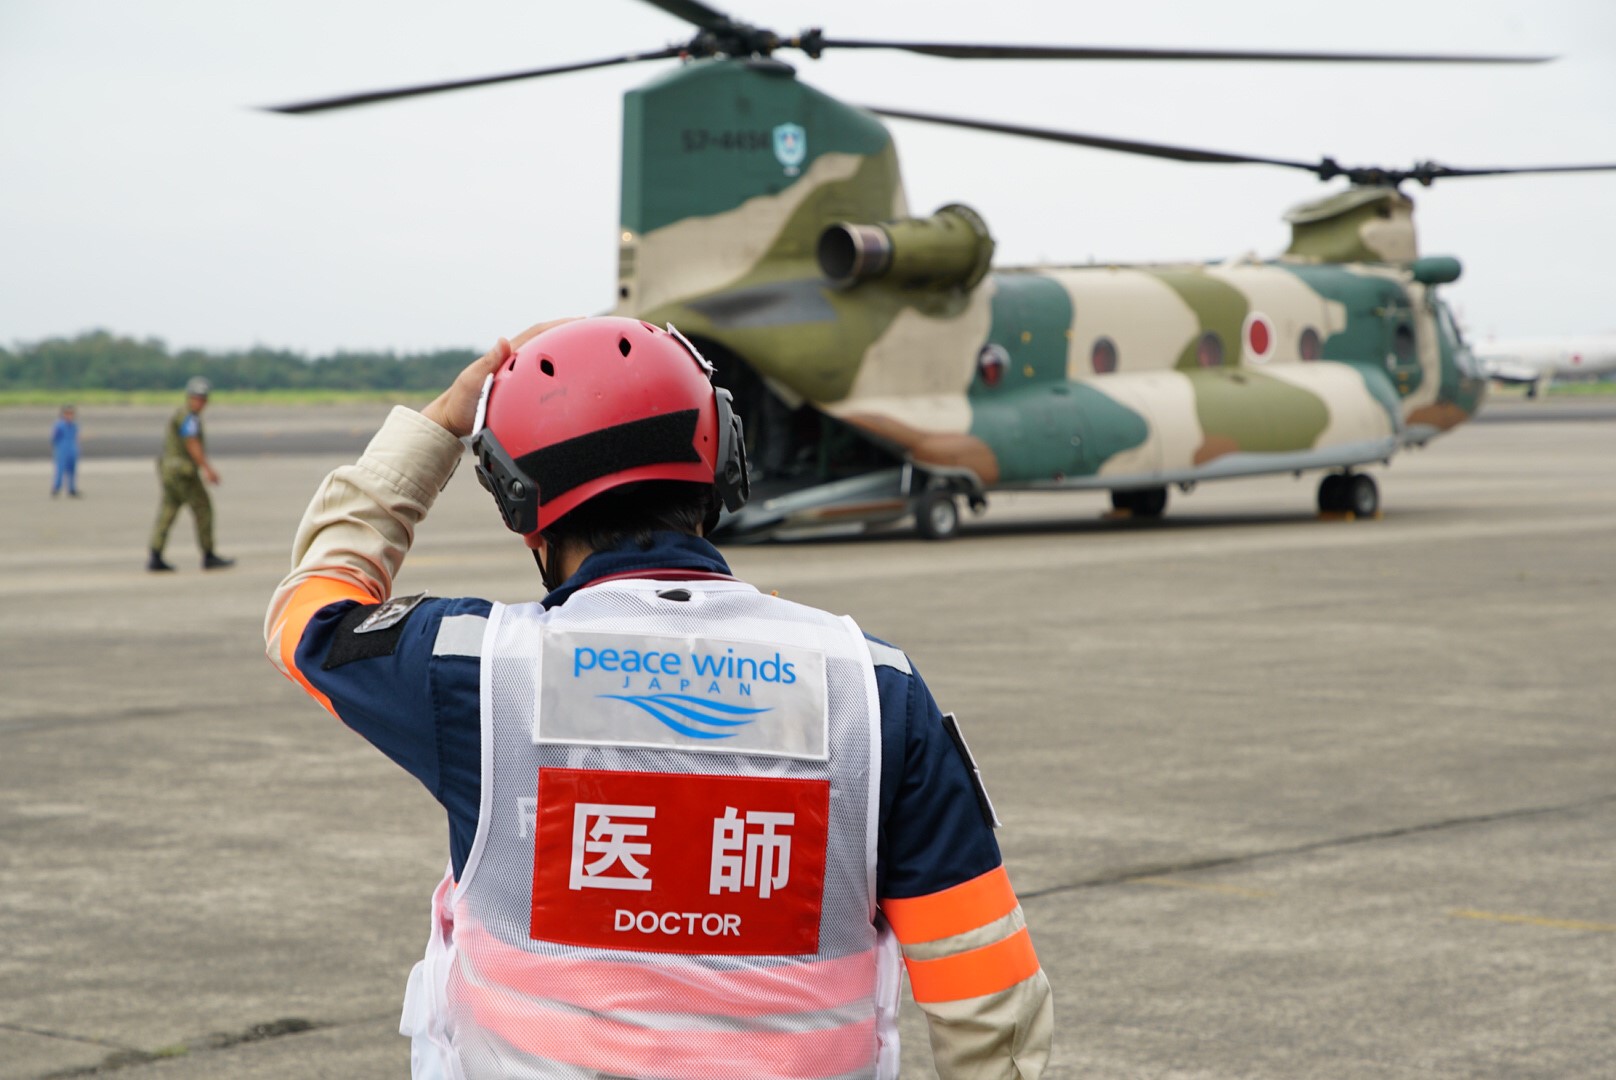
[(140, 191)]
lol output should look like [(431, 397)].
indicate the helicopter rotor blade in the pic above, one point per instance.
[(697, 14), (372, 97), (1430, 170), (1099, 142), (1425, 173), (954, 51)]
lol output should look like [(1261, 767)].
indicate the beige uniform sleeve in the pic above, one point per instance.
[(999, 1036), (359, 526), (973, 972)]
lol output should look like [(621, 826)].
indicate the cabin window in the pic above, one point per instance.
[(1310, 347), (991, 362), (1209, 350), (1104, 357)]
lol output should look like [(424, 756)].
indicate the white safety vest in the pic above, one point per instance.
[(674, 870)]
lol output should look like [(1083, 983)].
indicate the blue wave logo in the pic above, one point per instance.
[(666, 708)]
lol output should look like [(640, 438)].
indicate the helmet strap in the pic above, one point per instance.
[(547, 573), (715, 507)]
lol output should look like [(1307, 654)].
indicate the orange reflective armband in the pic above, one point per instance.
[(308, 600), (987, 970), (955, 910)]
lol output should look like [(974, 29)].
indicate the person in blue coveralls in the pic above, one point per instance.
[(65, 452), (695, 829)]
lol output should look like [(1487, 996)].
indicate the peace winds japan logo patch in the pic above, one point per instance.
[(687, 693), (678, 863)]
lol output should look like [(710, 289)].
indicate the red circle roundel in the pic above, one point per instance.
[(1259, 335)]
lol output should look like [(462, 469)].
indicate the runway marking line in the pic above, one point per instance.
[(1197, 886), (1533, 920)]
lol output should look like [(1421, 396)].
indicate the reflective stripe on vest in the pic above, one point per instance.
[(614, 986), (659, 1045), (519, 1002)]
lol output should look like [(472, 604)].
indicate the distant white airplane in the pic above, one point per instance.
[(1538, 361)]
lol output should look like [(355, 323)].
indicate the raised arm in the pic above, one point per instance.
[(361, 522)]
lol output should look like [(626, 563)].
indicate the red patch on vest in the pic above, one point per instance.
[(669, 863)]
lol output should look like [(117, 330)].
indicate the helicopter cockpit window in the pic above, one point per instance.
[(1450, 325), (1403, 344), (1104, 356), (1310, 347), (1209, 350)]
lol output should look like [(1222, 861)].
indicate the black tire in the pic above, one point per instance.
[(1333, 494), (937, 516), (1362, 495), (1149, 502)]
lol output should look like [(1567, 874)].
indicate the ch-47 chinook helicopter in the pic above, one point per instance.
[(885, 369)]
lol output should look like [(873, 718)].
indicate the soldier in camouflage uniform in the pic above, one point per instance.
[(181, 469)]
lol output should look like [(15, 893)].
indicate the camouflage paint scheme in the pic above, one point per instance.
[(996, 383)]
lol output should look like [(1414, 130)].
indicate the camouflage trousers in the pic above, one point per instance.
[(182, 487)]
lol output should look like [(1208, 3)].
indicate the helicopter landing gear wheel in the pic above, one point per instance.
[(1332, 499), (1362, 495), (937, 516), (1349, 493), (1150, 503), (1142, 502)]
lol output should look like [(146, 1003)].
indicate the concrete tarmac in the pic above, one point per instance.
[(1283, 798), (112, 431)]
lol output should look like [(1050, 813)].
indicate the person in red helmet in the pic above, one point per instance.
[(693, 827)]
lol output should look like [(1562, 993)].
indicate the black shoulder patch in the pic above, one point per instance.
[(989, 815), (349, 643)]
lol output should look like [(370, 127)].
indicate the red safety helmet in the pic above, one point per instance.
[(595, 404)]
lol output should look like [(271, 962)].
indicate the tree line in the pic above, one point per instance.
[(100, 360)]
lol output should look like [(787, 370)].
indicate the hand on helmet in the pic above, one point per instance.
[(455, 409)]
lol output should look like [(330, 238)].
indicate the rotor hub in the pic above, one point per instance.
[(745, 40)]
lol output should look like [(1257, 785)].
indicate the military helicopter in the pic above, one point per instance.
[(886, 370)]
